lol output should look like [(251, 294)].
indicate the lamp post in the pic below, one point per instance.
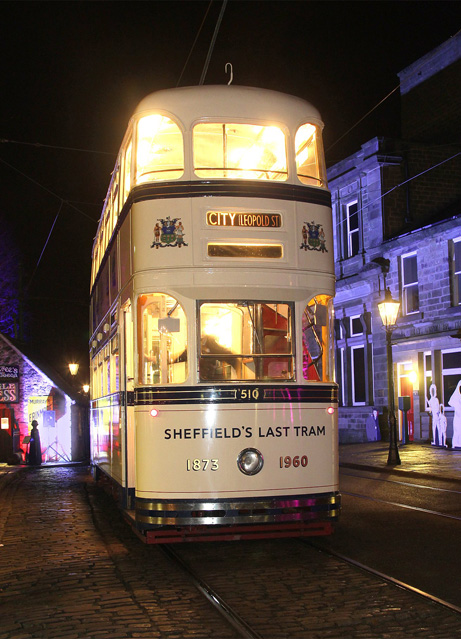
[(388, 310)]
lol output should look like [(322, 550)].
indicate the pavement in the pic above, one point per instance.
[(418, 459)]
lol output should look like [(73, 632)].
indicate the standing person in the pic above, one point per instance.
[(372, 427), (455, 402), (35, 449)]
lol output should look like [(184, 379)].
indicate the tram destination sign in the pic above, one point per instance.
[(253, 220)]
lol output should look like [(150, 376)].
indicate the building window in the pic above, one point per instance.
[(410, 293), (451, 374), (356, 325), (358, 375), (351, 229), (455, 263)]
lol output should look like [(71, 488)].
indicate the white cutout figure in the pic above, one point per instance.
[(442, 427), (434, 408), (455, 402)]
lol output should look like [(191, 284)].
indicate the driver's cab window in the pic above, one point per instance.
[(318, 359), (247, 341), (162, 340)]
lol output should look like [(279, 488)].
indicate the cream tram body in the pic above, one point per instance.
[(213, 400)]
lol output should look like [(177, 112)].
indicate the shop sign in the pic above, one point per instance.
[(9, 384)]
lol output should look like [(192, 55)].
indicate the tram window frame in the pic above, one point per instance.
[(148, 130), (229, 170), (162, 355), (235, 331), (308, 143), (318, 339)]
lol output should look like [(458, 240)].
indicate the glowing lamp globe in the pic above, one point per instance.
[(388, 309)]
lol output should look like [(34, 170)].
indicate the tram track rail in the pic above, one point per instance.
[(385, 577), (232, 617)]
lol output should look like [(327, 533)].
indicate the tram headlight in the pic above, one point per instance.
[(250, 461)]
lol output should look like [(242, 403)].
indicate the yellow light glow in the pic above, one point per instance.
[(73, 368), (219, 326), (413, 377)]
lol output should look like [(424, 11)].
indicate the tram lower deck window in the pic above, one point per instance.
[(162, 340), (245, 341)]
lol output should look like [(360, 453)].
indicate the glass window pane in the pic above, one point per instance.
[(245, 341), (160, 154), (309, 154), (318, 360), (457, 256), (358, 364), (410, 270), (162, 340), (239, 152), (412, 298), (451, 360)]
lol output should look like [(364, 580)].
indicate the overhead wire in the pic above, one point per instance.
[(194, 43), (213, 41), (414, 177), (53, 146), (415, 70)]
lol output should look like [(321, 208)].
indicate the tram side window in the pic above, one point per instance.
[(239, 152), (310, 163), (245, 341), (318, 362), (162, 340), (160, 154)]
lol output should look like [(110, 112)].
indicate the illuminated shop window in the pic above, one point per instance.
[(159, 154), (318, 358), (409, 283), (162, 340), (239, 152), (309, 156), (245, 341)]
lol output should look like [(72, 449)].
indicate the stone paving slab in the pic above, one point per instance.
[(416, 459)]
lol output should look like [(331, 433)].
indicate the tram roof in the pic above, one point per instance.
[(227, 102)]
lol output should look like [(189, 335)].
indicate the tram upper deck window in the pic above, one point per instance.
[(160, 154), (162, 340), (239, 152), (247, 341), (310, 164), (318, 360)]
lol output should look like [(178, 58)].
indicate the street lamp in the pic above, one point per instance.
[(73, 368), (388, 310)]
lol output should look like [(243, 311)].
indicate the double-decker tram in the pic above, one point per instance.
[(213, 402)]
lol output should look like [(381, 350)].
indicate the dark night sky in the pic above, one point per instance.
[(72, 72)]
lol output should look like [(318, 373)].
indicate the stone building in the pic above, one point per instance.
[(397, 221), (29, 391)]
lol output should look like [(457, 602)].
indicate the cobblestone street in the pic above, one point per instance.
[(71, 568)]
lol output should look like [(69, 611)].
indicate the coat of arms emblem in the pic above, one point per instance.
[(313, 237), (168, 232)]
